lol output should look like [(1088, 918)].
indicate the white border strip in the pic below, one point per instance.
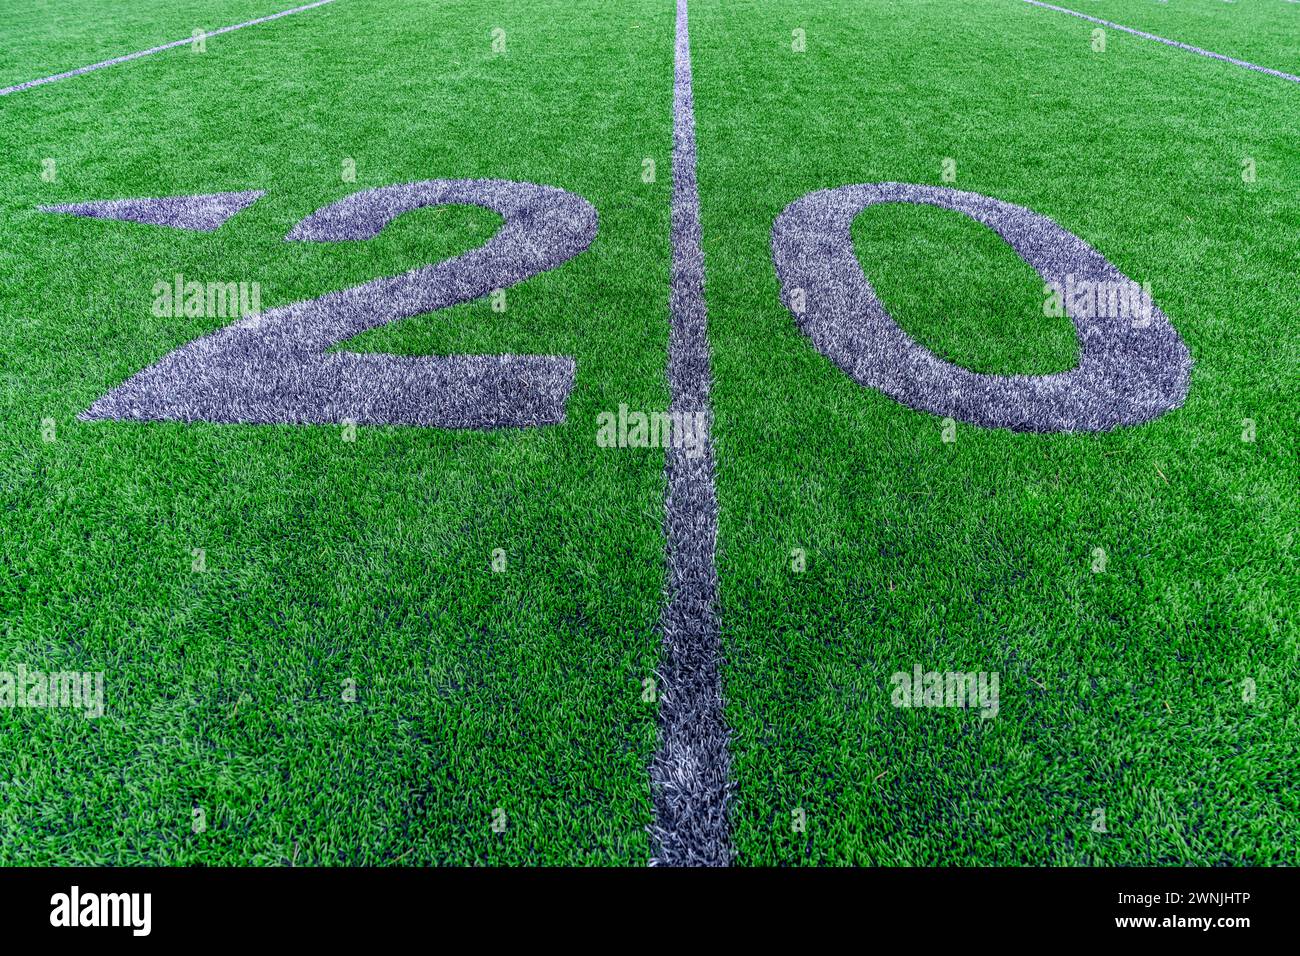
[(157, 49), (1173, 43)]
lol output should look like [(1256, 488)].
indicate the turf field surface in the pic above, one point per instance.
[(425, 645), (330, 561), (1265, 32), (1121, 690)]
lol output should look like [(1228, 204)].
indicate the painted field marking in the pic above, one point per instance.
[(688, 775), (278, 367), (157, 49), (1133, 365), (1167, 42)]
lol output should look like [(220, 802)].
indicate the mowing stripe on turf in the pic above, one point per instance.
[(688, 775), (1167, 42), (157, 49)]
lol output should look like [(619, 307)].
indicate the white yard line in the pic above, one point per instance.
[(1167, 42), (156, 49), (688, 775)]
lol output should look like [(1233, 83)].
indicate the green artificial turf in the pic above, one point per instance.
[(327, 561), (1263, 32), (1122, 690), (332, 565), (41, 39), (956, 287)]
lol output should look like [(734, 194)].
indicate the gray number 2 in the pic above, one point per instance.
[(276, 367)]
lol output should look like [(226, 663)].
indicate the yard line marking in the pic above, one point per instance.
[(688, 775), (157, 49), (1167, 42)]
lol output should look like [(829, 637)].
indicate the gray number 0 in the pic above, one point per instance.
[(275, 367), (1129, 371)]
